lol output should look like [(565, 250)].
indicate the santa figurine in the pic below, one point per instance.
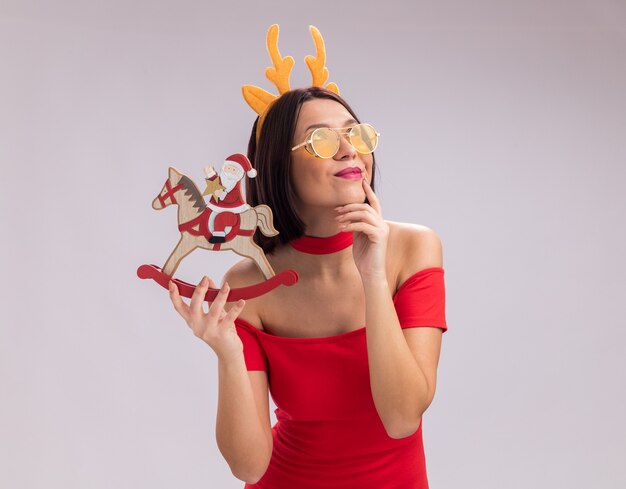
[(227, 198)]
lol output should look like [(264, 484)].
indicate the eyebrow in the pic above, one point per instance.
[(312, 126)]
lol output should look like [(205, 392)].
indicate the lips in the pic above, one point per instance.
[(351, 170)]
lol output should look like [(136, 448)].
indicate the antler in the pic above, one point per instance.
[(317, 64), (258, 98), (279, 74)]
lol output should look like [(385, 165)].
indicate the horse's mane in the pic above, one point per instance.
[(190, 190)]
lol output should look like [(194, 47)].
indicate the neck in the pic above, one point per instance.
[(186, 208), (190, 201), (334, 248), (323, 255), (323, 245)]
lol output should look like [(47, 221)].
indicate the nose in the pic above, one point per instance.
[(346, 150)]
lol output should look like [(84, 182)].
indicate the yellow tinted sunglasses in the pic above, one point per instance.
[(324, 142)]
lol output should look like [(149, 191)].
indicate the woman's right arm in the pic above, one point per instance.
[(241, 436), (240, 433)]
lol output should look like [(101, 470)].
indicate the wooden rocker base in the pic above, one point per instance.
[(287, 277)]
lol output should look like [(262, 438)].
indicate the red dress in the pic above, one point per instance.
[(328, 433)]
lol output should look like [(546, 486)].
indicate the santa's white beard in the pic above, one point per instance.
[(229, 180)]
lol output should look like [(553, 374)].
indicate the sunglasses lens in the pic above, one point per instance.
[(325, 142), (364, 138)]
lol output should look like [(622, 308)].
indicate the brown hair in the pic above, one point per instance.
[(271, 157)]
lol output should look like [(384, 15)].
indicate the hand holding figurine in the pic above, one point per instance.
[(215, 327)]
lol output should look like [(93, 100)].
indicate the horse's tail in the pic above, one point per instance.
[(264, 220)]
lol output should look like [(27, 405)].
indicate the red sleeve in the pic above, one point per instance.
[(421, 300), (253, 352)]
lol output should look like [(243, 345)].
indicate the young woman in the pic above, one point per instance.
[(350, 352)]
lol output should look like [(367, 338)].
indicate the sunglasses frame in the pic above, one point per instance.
[(308, 142)]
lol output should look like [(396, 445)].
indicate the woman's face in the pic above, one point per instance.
[(314, 179)]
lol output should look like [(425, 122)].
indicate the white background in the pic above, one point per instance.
[(503, 129)]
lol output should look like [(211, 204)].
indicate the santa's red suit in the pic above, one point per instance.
[(225, 208)]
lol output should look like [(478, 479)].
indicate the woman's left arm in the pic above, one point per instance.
[(402, 362)]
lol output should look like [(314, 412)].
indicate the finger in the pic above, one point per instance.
[(197, 298), (368, 216), (218, 304), (365, 218), (212, 285), (179, 304), (361, 227), (234, 311), (371, 196), (222, 314), (342, 209)]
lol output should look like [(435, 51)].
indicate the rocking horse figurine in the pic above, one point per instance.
[(226, 222)]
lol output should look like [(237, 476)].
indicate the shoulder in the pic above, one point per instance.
[(242, 274), (417, 247)]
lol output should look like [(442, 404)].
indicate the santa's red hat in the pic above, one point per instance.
[(243, 163)]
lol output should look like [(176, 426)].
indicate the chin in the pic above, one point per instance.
[(353, 198)]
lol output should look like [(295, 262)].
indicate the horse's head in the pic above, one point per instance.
[(171, 186)]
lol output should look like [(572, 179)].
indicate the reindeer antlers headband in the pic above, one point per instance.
[(260, 100)]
